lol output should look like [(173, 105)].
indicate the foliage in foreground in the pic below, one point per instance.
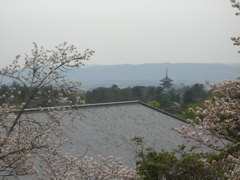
[(179, 164), (33, 146)]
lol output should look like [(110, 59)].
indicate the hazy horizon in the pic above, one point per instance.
[(163, 62), (123, 32)]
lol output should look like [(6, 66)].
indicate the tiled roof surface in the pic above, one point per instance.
[(108, 128)]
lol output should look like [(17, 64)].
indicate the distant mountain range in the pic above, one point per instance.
[(150, 74)]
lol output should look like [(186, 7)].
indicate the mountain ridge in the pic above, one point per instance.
[(125, 75)]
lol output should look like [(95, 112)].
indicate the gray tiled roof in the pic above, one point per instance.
[(108, 128)]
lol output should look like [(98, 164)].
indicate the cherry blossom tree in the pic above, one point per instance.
[(217, 125), (29, 146), (22, 136)]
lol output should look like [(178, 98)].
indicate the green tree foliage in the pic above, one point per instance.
[(195, 94), (171, 100), (186, 114), (113, 94), (16, 94), (164, 100), (179, 164), (154, 104), (145, 94)]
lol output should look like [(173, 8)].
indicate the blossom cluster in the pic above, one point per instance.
[(85, 167), (236, 4)]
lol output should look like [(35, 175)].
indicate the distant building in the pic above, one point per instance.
[(166, 82)]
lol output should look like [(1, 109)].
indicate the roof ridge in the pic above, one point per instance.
[(162, 111), (79, 106), (102, 104)]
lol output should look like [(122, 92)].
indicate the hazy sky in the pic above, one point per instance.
[(123, 31)]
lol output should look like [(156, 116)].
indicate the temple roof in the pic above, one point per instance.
[(166, 79), (108, 128)]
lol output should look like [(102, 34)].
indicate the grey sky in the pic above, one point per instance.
[(123, 31)]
